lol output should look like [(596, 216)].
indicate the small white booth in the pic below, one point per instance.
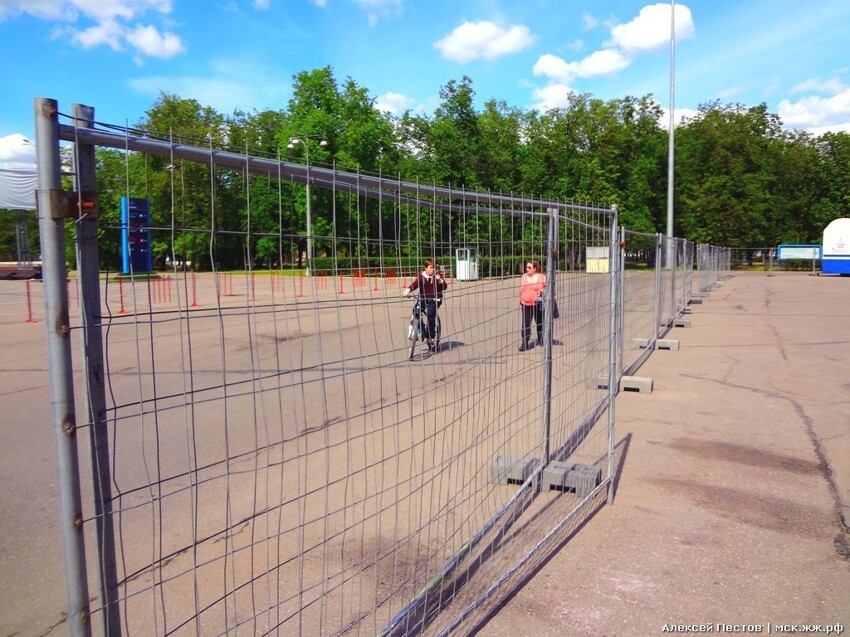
[(836, 248), (597, 259), (466, 264)]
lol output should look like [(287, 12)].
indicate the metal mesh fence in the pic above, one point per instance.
[(262, 446), (713, 264), (264, 453)]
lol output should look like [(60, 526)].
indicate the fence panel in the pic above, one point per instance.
[(713, 264), (641, 300), (278, 463)]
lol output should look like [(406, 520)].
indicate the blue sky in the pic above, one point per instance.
[(117, 55)]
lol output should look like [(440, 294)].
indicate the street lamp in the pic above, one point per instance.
[(293, 142)]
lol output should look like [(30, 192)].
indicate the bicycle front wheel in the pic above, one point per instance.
[(437, 332), (412, 337)]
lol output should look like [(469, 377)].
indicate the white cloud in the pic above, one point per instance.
[(604, 62), (818, 85), (114, 23), (376, 9), (261, 4), (598, 63), (816, 113), (650, 30), (108, 32), (678, 115), (42, 9), (726, 93), (16, 151), (71, 10), (551, 96), (394, 103), (589, 22), (817, 131), (550, 65), (483, 40), (150, 41)]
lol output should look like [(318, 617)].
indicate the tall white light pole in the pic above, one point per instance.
[(671, 137), (293, 142)]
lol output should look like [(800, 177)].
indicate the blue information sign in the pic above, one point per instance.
[(135, 235)]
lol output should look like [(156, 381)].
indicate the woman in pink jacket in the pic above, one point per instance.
[(530, 291)]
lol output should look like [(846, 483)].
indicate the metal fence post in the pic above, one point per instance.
[(686, 277), (88, 268), (548, 324), (621, 314), (614, 260), (49, 198), (674, 253), (658, 246)]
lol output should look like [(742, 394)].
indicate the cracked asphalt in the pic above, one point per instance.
[(733, 500)]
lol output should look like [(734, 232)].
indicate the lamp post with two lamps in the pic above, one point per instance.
[(294, 141)]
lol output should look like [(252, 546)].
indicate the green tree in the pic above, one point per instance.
[(834, 163), (500, 134), (724, 194), (186, 196), (454, 137)]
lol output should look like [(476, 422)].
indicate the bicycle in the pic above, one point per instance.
[(416, 330)]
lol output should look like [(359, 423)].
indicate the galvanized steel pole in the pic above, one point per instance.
[(613, 260), (88, 269), (659, 244), (309, 214), (621, 314), (548, 305), (52, 231), (671, 143)]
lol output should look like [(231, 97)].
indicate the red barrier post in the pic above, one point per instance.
[(29, 305), (121, 295), (341, 291), (194, 292)]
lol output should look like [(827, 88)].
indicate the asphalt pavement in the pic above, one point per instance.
[(732, 504), (733, 496)]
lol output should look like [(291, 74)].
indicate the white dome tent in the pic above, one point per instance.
[(836, 247), (17, 192), (17, 189)]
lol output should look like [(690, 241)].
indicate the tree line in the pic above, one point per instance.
[(741, 178)]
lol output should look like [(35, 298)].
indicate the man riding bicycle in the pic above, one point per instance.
[(430, 285)]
